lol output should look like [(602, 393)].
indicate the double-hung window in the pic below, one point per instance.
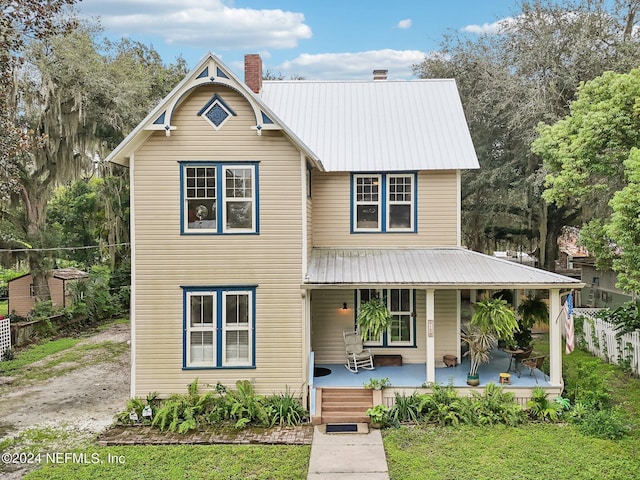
[(383, 202), (219, 327), (401, 329), (219, 198)]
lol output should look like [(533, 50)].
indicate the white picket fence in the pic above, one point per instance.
[(600, 339), (5, 336)]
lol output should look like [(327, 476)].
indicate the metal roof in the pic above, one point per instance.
[(376, 125), (437, 267)]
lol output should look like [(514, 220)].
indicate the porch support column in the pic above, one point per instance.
[(473, 294), (431, 343), (555, 338)]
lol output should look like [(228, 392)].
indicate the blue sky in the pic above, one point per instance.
[(321, 39)]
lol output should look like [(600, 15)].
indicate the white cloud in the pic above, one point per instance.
[(353, 66), (404, 23), (206, 23), (489, 28)]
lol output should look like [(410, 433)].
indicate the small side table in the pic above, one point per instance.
[(505, 379), (513, 359)]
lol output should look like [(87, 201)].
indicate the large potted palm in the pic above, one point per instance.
[(492, 320)]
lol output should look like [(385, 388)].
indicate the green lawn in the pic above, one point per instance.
[(272, 462), (4, 308)]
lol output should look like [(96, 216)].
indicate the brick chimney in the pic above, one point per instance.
[(380, 74), (253, 72)]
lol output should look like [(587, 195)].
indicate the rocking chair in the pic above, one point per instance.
[(357, 355)]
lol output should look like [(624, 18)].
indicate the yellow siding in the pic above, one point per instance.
[(437, 213), (329, 321), (165, 260)]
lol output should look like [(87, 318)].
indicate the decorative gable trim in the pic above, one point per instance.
[(205, 77), (216, 111)]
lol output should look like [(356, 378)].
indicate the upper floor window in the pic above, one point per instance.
[(219, 198), (383, 202)]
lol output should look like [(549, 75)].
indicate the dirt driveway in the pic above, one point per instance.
[(90, 385)]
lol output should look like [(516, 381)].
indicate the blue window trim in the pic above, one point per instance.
[(383, 202), (220, 195), (218, 292), (385, 335)]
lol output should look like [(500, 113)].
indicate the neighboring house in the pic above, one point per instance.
[(22, 297), (600, 290), (263, 213)]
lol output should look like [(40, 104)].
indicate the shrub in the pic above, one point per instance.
[(182, 413), (244, 406), (494, 406), (406, 409), (443, 406), (541, 408), (588, 385), (607, 424), (284, 409)]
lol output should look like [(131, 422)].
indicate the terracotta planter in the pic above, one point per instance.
[(473, 380)]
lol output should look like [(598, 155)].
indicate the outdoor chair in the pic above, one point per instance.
[(357, 355), (534, 363)]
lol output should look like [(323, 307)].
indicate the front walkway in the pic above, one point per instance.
[(343, 456)]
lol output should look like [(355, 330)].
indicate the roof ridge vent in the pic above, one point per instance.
[(380, 74)]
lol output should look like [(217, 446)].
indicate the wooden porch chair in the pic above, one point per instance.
[(534, 363), (357, 355)]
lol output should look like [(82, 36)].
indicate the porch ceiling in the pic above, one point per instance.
[(439, 268)]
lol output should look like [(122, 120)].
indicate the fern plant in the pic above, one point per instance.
[(541, 408), (373, 319)]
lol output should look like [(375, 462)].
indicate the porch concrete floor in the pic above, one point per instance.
[(414, 374)]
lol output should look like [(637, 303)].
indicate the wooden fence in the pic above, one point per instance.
[(600, 339)]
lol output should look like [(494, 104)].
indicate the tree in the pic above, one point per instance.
[(511, 81), (20, 21), (76, 100), (594, 165)]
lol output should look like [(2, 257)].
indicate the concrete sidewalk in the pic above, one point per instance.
[(347, 456)]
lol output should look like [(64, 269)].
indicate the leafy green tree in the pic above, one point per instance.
[(77, 99), (593, 162), (510, 81)]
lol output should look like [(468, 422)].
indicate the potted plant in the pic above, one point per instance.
[(530, 311), (373, 318), (492, 320), (378, 415), (377, 384)]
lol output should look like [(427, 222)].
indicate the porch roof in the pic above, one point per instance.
[(441, 268)]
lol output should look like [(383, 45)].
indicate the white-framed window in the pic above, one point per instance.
[(400, 203), (364, 295), (401, 330), (219, 327), (201, 328), (219, 198), (383, 202), (200, 195), (367, 203), (236, 328), (239, 199)]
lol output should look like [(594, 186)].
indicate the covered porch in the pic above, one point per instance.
[(436, 277)]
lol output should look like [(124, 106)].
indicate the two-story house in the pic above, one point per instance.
[(263, 213)]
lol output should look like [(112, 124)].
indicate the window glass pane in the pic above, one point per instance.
[(400, 328), (405, 302), (237, 345), (240, 215), (237, 309), (395, 300), (239, 183), (367, 216), (201, 347), (399, 216), (201, 310), (200, 197)]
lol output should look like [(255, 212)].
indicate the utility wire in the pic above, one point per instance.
[(53, 249)]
